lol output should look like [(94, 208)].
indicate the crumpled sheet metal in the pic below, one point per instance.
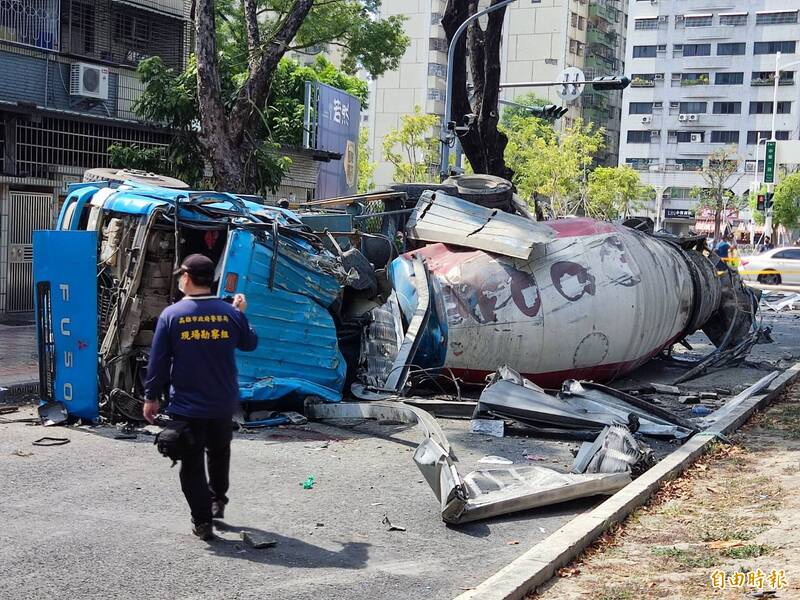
[(484, 493), (381, 343), (450, 220), (580, 405)]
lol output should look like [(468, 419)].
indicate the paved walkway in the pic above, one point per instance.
[(17, 355)]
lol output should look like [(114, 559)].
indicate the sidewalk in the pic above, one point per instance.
[(733, 520), (18, 364)]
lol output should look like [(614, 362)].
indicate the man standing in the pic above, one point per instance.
[(723, 249), (193, 350)]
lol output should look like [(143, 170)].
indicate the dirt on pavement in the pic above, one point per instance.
[(733, 519)]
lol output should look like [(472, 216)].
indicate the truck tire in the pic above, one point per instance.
[(415, 190), (485, 190)]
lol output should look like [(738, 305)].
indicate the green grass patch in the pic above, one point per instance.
[(688, 558), (748, 551)]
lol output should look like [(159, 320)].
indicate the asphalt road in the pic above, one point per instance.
[(104, 518)]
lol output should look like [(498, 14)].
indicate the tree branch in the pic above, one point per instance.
[(253, 34), (253, 93)]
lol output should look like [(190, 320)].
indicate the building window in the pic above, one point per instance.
[(768, 78), (754, 136), (437, 70), (646, 79), (690, 164), (574, 17), (639, 137), (36, 25), (765, 108), (437, 44), (640, 108), (729, 78), (644, 51), (727, 108), (640, 164), (787, 47), (734, 49), (646, 23), (687, 137), (733, 19), (694, 79), (693, 107), (694, 49), (698, 20), (724, 137), (778, 17)]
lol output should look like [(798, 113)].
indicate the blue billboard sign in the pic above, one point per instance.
[(65, 293), (338, 118)]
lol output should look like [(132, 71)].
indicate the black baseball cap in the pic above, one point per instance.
[(197, 266)]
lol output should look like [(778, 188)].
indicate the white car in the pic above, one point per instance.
[(773, 267)]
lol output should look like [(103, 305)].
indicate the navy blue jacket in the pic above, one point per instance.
[(194, 350)]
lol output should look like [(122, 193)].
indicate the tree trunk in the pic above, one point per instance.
[(224, 136), (484, 145)]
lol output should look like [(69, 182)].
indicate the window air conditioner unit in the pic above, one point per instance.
[(683, 117), (663, 18), (678, 167), (658, 77), (653, 168), (696, 138), (647, 119), (692, 117), (89, 81), (749, 167)]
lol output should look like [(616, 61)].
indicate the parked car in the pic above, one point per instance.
[(773, 267)]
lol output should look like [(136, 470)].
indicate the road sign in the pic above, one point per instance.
[(573, 79), (769, 163)]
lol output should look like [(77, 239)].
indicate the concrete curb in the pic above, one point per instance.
[(540, 563)]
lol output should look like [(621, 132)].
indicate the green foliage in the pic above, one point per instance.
[(615, 192), (555, 165), (512, 113), (134, 157), (718, 175), (752, 202), (355, 27), (786, 202), (366, 168), (412, 149)]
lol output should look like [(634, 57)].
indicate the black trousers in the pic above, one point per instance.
[(213, 446)]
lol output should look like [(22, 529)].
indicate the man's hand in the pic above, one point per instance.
[(151, 410), (240, 302)]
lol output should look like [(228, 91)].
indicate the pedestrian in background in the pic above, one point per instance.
[(193, 351)]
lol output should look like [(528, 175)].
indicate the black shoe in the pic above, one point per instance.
[(205, 531), (217, 510)]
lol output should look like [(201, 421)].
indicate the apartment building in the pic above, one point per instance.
[(69, 82), (703, 79), (541, 38)]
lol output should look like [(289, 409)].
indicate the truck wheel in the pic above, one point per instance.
[(485, 190), (415, 190)]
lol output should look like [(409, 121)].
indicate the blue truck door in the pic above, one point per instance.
[(65, 301)]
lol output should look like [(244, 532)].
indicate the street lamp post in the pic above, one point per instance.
[(448, 97)]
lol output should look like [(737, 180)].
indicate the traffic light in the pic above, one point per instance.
[(761, 203), (551, 112), (611, 83), (768, 201)]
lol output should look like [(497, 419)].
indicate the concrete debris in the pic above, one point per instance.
[(493, 427), (785, 303), (258, 540), (391, 526), (666, 389), (495, 460), (689, 399)]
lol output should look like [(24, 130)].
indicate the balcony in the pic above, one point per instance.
[(595, 36), (606, 13), (770, 82), (645, 83), (171, 7)]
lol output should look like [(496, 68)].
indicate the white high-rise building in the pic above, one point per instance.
[(540, 39), (703, 75)]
